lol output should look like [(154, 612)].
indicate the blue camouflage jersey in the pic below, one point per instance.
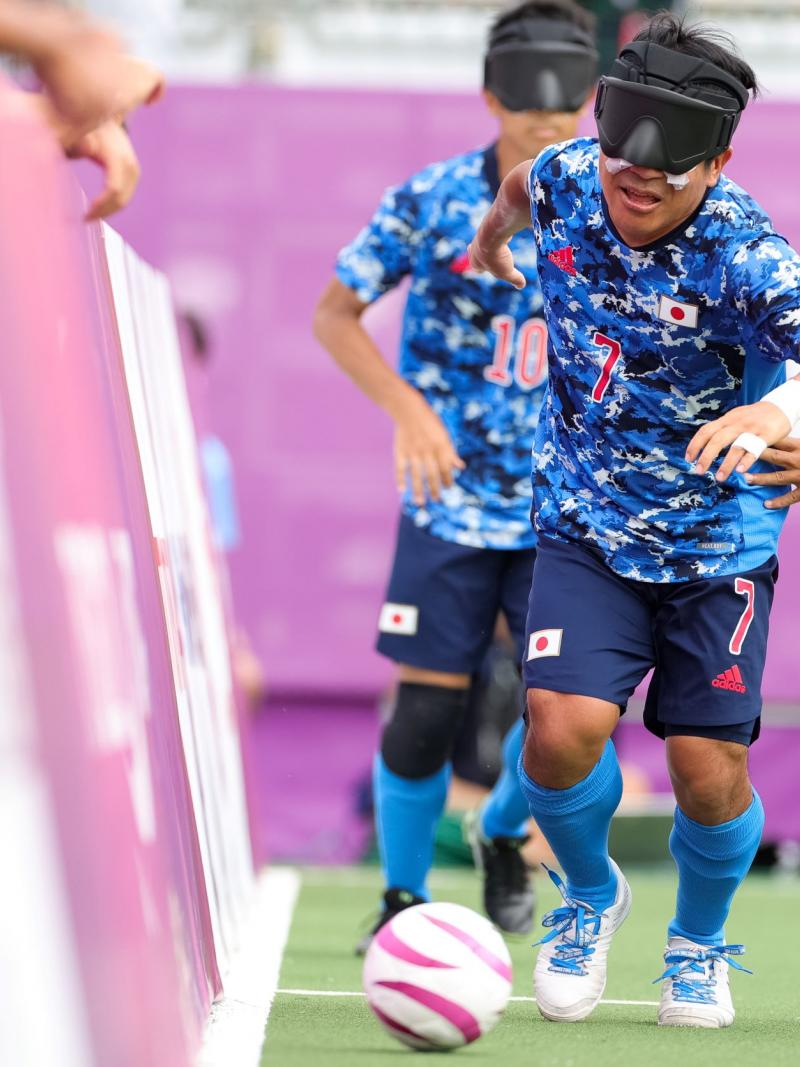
[(474, 347), (645, 346)]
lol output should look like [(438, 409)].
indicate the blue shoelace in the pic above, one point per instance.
[(692, 971), (571, 956)]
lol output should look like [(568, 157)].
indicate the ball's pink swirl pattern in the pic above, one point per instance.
[(388, 940), (481, 951), (387, 1020), (454, 1013)]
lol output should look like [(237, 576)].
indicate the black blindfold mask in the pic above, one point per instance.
[(540, 65), (666, 110)]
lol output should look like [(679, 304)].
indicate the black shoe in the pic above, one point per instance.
[(394, 901), (508, 896)]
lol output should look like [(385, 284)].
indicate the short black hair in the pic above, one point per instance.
[(557, 10), (699, 40)]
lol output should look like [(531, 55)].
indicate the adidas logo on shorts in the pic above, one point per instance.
[(731, 680)]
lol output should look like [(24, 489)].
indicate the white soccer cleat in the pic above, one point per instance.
[(570, 973), (696, 990)]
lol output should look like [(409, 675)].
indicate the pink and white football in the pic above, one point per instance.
[(438, 976)]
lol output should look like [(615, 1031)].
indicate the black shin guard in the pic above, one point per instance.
[(418, 740)]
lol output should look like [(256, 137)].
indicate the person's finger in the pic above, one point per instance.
[(450, 459), (700, 440), (788, 444), (785, 477), (417, 483), (778, 458), (111, 199), (159, 89), (719, 440), (746, 462), (120, 186), (433, 478), (734, 458), (784, 501), (476, 260)]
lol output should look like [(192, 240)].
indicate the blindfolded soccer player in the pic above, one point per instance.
[(464, 402), (671, 306)]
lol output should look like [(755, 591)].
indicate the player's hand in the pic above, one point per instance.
[(786, 455), (497, 260), (424, 455), (763, 419), (109, 146)]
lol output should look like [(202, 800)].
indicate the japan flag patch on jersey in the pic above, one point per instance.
[(544, 643), (399, 619), (677, 313)]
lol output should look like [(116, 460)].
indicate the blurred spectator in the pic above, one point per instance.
[(220, 490)]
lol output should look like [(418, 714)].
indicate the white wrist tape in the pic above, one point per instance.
[(750, 442), (787, 398)]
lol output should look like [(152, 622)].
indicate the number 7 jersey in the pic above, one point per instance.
[(645, 346), (473, 346)]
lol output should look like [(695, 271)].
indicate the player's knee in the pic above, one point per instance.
[(566, 727), (418, 740), (709, 778)]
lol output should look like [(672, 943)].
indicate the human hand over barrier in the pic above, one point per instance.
[(86, 75)]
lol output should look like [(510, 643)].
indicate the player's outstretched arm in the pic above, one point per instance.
[(510, 213), (423, 452), (746, 432)]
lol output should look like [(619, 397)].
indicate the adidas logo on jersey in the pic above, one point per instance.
[(563, 259), (730, 680)]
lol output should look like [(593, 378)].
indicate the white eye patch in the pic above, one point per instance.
[(677, 181)]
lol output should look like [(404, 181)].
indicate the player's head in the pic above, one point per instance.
[(665, 117), (539, 70)]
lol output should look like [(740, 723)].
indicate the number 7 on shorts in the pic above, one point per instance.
[(744, 587)]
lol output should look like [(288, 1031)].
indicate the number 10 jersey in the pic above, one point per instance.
[(645, 346), (473, 346)]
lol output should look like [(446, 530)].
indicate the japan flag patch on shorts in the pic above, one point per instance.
[(399, 619), (544, 643)]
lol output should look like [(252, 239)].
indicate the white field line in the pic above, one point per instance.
[(526, 1000), (234, 1034)]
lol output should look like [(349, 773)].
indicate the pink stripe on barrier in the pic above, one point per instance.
[(388, 1021), (391, 943), (448, 1009), (481, 951)]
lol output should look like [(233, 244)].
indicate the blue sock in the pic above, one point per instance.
[(406, 813), (712, 862), (505, 812), (575, 822)]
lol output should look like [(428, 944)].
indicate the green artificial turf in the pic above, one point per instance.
[(307, 1031)]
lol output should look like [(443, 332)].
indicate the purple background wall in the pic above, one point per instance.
[(247, 195)]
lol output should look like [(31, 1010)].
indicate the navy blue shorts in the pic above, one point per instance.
[(443, 600), (594, 633)]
